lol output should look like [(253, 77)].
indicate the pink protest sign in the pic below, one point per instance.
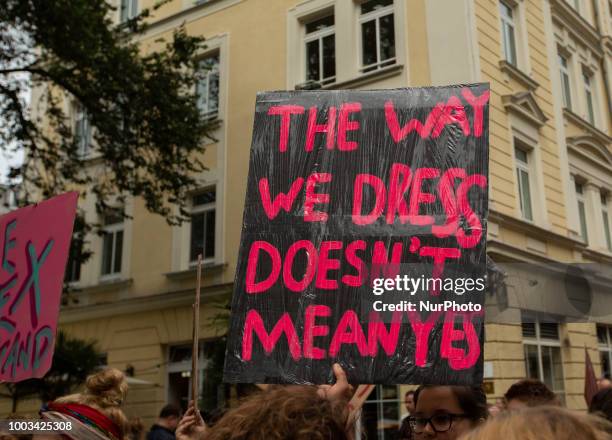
[(34, 243)]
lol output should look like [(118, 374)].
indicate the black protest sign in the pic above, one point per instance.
[(364, 238)]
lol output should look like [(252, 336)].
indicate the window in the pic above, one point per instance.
[(377, 35), (522, 178), (129, 9), (213, 393), (112, 244), (606, 220), (203, 226), (582, 212), (381, 413), (82, 130), (604, 339), (565, 82), (508, 29), (207, 88), (542, 349), (320, 43), (588, 93), (73, 267)]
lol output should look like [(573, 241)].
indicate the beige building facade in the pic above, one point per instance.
[(549, 63)]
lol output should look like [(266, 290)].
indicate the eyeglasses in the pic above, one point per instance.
[(439, 422)]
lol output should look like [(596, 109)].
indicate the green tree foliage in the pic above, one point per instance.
[(147, 130), (73, 361)]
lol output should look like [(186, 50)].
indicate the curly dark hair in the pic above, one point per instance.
[(284, 412), (471, 399), (532, 392)]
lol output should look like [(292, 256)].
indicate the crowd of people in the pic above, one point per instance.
[(529, 410)]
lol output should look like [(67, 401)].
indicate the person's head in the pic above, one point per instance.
[(604, 383), (409, 401), (169, 417), (295, 412), (493, 410), (529, 393), (601, 404), (136, 430), (99, 404), (447, 412), (541, 423)]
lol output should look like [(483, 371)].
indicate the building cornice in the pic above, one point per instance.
[(573, 145), (518, 75), (520, 255), (577, 25), (141, 304), (536, 231), (587, 126), (189, 14)]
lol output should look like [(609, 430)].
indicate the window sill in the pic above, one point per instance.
[(586, 126), (518, 75), (366, 78), (191, 272)]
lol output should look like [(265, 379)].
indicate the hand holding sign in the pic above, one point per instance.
[(34, 243)]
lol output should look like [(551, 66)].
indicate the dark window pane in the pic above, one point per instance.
[(197, 236), (529, 330), (118, 251), (73, 268), (549, 330), (368, 43), (107, 253), (113, 217), (604, 357), (213, 92), (205, 197), (372, 5), (321, 23), (209, 252), (387, 37), (602, 335), (312, 60), (531, 362), (329, 56)]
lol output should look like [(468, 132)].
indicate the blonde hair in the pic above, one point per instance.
[(104, 391), (542, 423)]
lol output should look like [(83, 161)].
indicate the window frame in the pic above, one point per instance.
[(505, 23), (522, 167), (589, 98), (566, 80), (185, 367), (378, 403), (114, 229), (209, 113), (82, 123), (606, 347), (201, 209), (581, 207), (376, 15), (133, 7), (540, 342), (318, 36), (605, 214)]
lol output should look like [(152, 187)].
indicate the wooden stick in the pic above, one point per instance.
[(357, 401), (196, 337)]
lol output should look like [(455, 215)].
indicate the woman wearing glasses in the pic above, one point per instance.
[(447, 412)]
